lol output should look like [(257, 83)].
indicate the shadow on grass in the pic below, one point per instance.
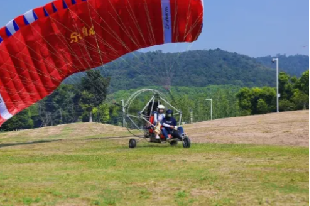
[(57, 140), (26, 143)]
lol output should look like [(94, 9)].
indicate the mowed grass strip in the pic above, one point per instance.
[(107, 172)]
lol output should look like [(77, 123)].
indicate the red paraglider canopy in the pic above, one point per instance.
[(39, 49)]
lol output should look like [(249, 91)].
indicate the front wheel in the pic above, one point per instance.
[(186, 142), (132, 143)]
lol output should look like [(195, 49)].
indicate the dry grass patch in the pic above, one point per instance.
[(285, 128)]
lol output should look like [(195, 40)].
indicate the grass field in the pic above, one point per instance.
[(106, 172), (70, 165)]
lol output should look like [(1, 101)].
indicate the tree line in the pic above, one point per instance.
[(294, 95), (88, 100), (83, 101)]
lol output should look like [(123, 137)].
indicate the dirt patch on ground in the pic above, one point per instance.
[(285, 128), (68, 131)]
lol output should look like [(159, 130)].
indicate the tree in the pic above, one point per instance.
[(244, 98), (300, 99), (114, 113), (262, 107), (60, 105), (104, 112), (87, 103), (286, 105), (294, 96), (268, 94), (94, 89), (285, 86), (303, 83), (21, 121), (96, 85)]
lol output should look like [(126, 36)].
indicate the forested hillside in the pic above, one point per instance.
[(294, 65), (69, 104), (188, 69), (191, 77), (87, 101)]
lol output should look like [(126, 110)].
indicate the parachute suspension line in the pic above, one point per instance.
[(187, 19), (92, 48), (33, 28), (38, 60), (101, 27), (169, 72), (190, 45), (150, 27), (69, 48), (133, 17), (98, 48), (92, 25), (193, 26), (123, 27), (175, 20), (32, 82), (78, 58), (37, 53), (56, 68), (102, 41), (115, 35), (139, 27), (85, 46), (21, 78), (168, 29), (38, 71), (118, 38), (64, 73)]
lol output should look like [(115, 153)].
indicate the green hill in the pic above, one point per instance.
[(294, 65), (188, 69)]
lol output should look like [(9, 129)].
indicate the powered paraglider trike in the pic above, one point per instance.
[(138, 117)]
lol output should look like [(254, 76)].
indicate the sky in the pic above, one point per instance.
[(253, 28)]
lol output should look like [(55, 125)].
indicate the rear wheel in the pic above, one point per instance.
[(132, 143), (186, 142)]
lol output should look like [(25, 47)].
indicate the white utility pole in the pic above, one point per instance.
[(191, 115), (123, 113), (276, 60), (211, 107)]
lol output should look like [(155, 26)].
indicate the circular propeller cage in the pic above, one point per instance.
[(139, 108)]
